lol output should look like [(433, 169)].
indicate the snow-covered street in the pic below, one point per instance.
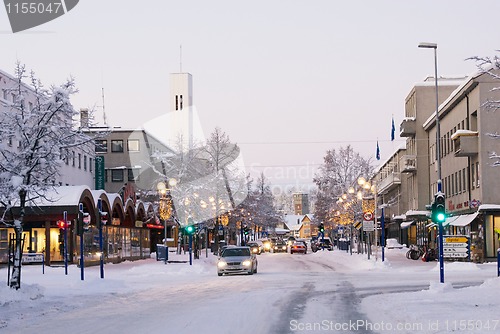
[(317, 292)]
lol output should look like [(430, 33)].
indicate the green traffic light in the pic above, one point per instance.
[(190, 229), (440, 217)]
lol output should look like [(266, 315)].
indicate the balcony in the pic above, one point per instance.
[(466, 143), (408, 127), (408, 164), (392, 181)]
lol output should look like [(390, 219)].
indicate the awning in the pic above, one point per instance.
[(464, 220), (406, 224)]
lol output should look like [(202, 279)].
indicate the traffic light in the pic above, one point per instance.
[(62, 224), (246, 230), (321, 228), (189, 229), (438, 208), (86, 221), (103, 218)]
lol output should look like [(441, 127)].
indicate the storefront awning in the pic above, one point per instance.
[(464, 220), (406, 224)]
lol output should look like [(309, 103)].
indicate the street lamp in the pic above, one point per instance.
[(438, 153)]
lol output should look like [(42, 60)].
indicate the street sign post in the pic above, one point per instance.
[(456, 246)]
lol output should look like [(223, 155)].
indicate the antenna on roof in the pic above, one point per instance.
[(180, 58), (103, 109)]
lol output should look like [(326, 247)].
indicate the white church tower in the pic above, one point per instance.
[(181, 106)]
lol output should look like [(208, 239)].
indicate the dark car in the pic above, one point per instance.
[(279, 247), (255, 248), (321, 243)]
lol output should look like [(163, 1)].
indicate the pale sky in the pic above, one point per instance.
[(286, 80)]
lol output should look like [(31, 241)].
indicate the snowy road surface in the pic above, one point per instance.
[(319, 292)]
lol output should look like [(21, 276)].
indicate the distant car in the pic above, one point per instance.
[(254, 247), (279, 247), (298, 247), (267, 245), (235, 260), (290, 240)]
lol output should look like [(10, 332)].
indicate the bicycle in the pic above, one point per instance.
[(415, 252)]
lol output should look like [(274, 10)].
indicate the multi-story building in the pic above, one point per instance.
[(470, 180), (419, 105), (78, 168), (300, 203)]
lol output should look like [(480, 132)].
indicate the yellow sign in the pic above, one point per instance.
[(455, 239)]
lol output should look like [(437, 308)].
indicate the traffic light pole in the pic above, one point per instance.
[(99, 223), (80, 232), (190, 249), (65, 251)]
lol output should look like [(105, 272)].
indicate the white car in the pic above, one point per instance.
[(236, 260)]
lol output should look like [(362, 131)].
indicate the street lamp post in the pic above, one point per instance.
[(438, 153)]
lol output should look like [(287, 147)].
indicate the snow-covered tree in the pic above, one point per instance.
[(37, 129), (340, 170)]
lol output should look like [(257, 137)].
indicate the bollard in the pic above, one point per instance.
[(498, 262)]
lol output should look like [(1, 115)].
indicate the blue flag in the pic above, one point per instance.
[(393, 129), (378, 152)]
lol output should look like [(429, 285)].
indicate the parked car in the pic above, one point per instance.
[(298, 247), (279, 247), (235, 260), (254, 247)]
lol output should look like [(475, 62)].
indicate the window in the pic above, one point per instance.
[(101, 146), (117, 175), (5, 94), (90, 165), (177, 102), (133, 145), (459, 181), (74, 158), (464, 175), (85, 162), (180, 101), (79, 160), (452, 192), (456, 183), (131, 176), (30, 106), (473, 176), (477, 174), (117, 145)]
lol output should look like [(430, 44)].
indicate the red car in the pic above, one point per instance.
[(298, 247)]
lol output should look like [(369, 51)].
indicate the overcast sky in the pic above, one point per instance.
[(286, 80)]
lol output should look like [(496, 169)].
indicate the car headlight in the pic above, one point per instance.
[(255, 250), (284, 247), (247, 263), (221, 264)]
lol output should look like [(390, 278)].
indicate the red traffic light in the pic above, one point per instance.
[(62, 224)]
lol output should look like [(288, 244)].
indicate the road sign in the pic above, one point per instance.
[(455, 239), (455, 246), (368, 226), (368, 215)]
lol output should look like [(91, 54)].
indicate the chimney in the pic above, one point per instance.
[(84, 118)]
